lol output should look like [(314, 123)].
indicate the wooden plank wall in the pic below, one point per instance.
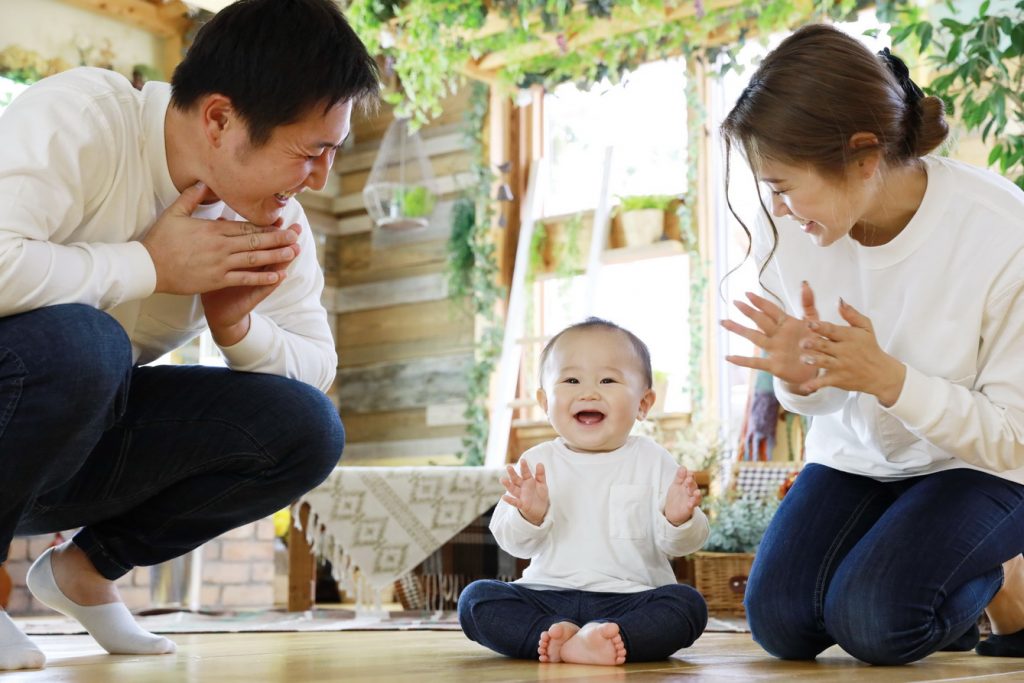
[(404, 347)]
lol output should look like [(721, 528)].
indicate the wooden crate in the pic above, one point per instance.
[(722, 578)]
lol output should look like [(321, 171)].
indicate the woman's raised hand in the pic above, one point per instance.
[(778, 335)]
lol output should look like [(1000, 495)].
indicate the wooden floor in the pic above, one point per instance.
[(422, 656)]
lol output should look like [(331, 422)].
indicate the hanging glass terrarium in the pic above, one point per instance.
[(400, 193)]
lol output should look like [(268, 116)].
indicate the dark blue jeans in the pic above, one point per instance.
[(509, 618), (150, 461), (891, 571)]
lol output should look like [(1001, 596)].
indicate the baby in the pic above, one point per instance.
[(599, 514)]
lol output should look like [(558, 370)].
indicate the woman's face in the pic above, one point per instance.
[(826, 208)]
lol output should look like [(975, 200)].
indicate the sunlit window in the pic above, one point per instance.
[(644, 120)]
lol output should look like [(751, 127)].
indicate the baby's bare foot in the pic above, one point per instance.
[(596, 643), (551, 641)]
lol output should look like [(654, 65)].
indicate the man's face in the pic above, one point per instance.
[(258, 182)]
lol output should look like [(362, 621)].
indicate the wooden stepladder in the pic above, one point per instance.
[(502, 401)]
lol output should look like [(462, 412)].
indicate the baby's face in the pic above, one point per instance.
[(594, 389)]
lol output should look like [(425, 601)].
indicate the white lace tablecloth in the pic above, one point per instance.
[(384, 521)]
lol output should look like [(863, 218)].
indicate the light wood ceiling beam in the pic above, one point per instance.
[(167, 20)]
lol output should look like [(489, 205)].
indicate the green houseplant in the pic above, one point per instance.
[(416, 201), (737, 524), (978, 63), (722, 568), (643, 218)]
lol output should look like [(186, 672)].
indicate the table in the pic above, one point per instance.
[(383, 521)]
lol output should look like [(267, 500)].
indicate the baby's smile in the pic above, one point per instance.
[(589, 417)]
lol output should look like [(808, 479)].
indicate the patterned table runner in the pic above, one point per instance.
[(384, 521)]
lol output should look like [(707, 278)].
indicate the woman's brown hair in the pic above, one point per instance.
[(813, 93)]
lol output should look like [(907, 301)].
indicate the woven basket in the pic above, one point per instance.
[(721, 578)]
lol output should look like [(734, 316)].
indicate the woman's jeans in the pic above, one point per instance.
[(891, 571), (509, 618), (151, 461)]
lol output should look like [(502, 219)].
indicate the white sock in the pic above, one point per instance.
[(112, 625), (16, 650)]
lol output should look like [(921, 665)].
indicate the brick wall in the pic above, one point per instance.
[(238, 572)]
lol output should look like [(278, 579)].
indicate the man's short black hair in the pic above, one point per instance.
[(276, 60)]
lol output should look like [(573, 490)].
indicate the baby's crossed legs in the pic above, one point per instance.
[(581, 626)]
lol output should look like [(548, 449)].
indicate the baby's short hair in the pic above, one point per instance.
[(643, 354)]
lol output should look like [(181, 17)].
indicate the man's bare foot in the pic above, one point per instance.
[(551, 641), (596, 643), (78, 579), (1006, 611)]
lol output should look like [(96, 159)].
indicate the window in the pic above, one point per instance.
[(644, 120)]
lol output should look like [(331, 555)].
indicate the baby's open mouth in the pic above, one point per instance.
[(589, 417)]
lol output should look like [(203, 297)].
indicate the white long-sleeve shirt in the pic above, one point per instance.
[(83, 176), (945, 298), (605, 530)]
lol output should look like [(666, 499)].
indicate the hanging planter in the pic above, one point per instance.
[(400, 192)]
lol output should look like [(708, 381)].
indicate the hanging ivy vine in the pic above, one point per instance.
[(429, 57), (473, 275), (699, 266)]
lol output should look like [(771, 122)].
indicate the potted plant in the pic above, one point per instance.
[(643, 218), (415, 201), (722, 567)]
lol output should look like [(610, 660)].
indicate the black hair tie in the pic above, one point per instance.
[(911, 92)]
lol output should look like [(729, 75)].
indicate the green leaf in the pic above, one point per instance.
[(924, 33), (954, 49), (983, 10), (941, 84), (995, 155), (985, 131), (954, 26)]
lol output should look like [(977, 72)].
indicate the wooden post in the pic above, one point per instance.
[(5, 588), (173, 46), (704, 219), (301, 567)]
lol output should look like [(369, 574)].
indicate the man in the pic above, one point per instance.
[(129, 223)]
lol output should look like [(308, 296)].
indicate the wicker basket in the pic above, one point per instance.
[(721, 578)]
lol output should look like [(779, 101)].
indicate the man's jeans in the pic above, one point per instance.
[(891, 571), (509, 618), (151, 461)]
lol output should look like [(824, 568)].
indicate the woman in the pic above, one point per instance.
[(901, 331)]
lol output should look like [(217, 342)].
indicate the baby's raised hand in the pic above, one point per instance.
[(683, 496), (527, 492)]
